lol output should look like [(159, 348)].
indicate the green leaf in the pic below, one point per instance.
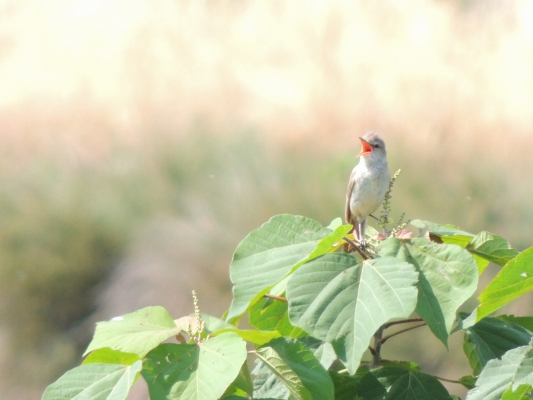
[(296, 366), (335, 223), (492, 248), (524, 322), (266, 384), (252, 335), (242, 385), (448, 276), (335, 299), (396, 383), (138, 332), (188, 371), (447, 233), (214, 324), (345, 385), (514, 280), (110, 356), (323, 351), (94, 382), (521, 393), (513, 370), (468, 381), (490, 338), (271, 252), (268, 314)]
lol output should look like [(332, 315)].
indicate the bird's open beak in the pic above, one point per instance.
[(367, 147)]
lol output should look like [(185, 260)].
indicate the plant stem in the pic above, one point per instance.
[(447, 380), (273, 296), (383, 340), (376, 356), (402, 321)]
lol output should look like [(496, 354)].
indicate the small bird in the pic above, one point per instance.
[(368, 183)]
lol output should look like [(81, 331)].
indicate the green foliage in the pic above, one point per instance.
[(514, 280), (138, 332), (193, 371), (269, 253), (490, 338), (343, 302), (95, 381), (314, 311), (295, 365), (447, 278), (399, 383), (504, 375)]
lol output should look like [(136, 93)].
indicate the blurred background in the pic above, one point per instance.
[(142, 140)]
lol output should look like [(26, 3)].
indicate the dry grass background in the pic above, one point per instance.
[(141, 140)]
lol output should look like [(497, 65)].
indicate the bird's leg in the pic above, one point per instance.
[(361, 225)]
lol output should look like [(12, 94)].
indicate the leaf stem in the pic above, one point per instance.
[(273, 296), (402, 321), (383, 340), (448, 380), (376, 356)]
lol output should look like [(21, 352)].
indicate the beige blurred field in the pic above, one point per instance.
[(142, 140)]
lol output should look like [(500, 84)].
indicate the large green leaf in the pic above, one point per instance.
[(448, 276), (492, 248), (188, 371), (397, 383), (514, 280), (513, 370), (271, 252), (335, 299), (94, 382), (295, 365), (137, 332), (490, 338), (268, 314)]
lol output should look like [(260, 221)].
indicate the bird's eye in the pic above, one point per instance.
[(377, 145)]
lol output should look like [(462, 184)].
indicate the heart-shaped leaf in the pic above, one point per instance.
[(271, 252), (448, 277), (335, 299), (188, 371)]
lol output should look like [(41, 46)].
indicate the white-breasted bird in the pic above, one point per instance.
[(368, 183)]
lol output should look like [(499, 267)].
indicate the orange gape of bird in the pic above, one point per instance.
[(368, 183)]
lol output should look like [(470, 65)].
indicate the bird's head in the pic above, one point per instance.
[(373, 146)]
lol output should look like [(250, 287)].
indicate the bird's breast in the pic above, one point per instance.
[(368, 190)]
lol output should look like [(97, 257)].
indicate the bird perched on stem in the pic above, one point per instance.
[(368, 183)]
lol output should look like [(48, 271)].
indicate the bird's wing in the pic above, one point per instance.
[(347, 211)]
